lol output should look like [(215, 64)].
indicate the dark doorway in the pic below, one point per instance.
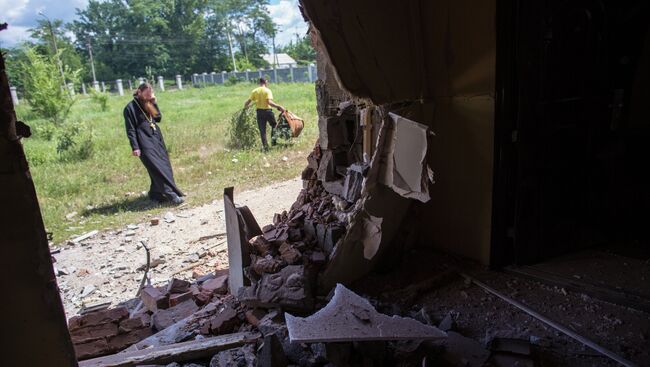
[(572, 131)]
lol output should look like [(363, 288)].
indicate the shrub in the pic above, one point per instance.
[(232, 80), (101, 99), (243, 132), (74, 142)]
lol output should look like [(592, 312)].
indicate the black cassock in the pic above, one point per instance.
[(147, 137)]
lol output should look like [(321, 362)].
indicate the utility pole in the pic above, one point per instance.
[(92, 63), (275, 56), (232, 55), (56, 50)]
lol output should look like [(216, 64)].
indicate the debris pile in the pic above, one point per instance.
[(106, 331)]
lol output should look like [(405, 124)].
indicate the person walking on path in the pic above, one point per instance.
[(141, 117), (263, 98)]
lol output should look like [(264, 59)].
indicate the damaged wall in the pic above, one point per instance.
[(34, 332), (439, 58)]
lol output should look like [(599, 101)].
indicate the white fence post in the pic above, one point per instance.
[(83, 89), (291, 73), (140, 81), (311, 72), (223, 77), (212, 77), (120, 87), (203, 77), (247, 71), (71, 88), (14, 96), (161, 83), (259, 73), (179, 82), (103, 87), (275, 74), (96, 86)]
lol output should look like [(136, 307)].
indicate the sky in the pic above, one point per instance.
[(22, 15)]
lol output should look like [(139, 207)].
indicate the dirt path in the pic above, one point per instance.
[(105, 267)]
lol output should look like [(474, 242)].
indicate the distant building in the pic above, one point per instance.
[(282, 60)]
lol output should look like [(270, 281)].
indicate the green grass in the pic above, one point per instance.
[(105, 190)]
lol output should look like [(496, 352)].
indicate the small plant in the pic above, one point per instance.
[(243, 131), (45, 131), (74, 142), (101, 99)]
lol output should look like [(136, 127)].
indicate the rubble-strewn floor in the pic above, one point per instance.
[(482, 316), (105, 267)]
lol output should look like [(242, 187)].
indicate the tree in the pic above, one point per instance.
[(44, 43), (301, 50), (43, 86)]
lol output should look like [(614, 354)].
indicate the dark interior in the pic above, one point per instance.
[(572, 126)]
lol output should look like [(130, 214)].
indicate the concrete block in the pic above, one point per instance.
[(349, 317)]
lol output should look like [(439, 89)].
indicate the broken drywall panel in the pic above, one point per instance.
[(349, 317), (372, 238), (238, 254), (405, 170)]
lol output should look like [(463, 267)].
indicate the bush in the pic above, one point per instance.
[(232, 80), (45, 131), (243, 132), (74, 142), (101, 99), (44, 89)]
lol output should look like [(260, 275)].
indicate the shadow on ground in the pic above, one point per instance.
[(133, 204)]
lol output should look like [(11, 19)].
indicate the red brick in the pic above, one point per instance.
[(178, 286), (254, 316), (203, 298), (92, 349), (165, 318), (118, 342), (89, 333), (217, 285), (98, 318), (176, 298), (153, 298), (225, 321), (129, 325)]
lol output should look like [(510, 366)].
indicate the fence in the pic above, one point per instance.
[(302, 74)]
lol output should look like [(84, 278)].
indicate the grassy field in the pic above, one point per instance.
[(106, 190)]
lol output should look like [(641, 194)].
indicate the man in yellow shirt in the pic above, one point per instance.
[(263, 98)]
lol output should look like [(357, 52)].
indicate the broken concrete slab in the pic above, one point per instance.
[(349, 317)]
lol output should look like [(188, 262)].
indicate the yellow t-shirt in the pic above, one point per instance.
[(261, 96)]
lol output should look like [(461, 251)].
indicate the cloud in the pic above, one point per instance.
[(286, 14), (13, 35), (12, 9), (22, 15)]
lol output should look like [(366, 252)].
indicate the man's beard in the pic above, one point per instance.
[(150, 108)]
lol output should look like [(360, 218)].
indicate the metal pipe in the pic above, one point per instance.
[(588, 342)]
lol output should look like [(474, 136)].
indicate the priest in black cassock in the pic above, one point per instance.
[(141, 116)]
